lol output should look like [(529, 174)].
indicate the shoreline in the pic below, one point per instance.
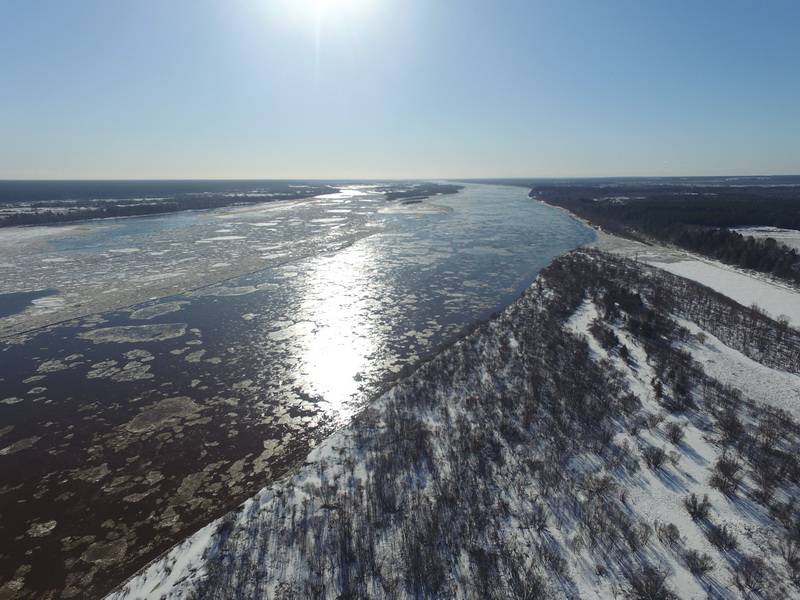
[(772, 295), (323, 492)]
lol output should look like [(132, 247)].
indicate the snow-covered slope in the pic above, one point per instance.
[(777, 299), (579, 445)]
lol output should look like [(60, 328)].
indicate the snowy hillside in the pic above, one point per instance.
[(581, 445)]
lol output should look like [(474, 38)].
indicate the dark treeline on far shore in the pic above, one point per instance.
[(49, 202), (696, 214)]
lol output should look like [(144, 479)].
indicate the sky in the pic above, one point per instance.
[(377, 89)]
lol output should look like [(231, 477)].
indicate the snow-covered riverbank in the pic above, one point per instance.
[(577, 446), (772, 295)]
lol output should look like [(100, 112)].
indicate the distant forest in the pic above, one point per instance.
[(49, 202), (696, 217)]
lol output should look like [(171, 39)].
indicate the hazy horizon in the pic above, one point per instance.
[(354, 180)]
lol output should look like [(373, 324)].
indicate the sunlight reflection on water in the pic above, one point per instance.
[(344, 336)]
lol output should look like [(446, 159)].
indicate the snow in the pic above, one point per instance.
[(746, 288), (774, 298), (757, 382), (654, 497), (658, 495), (787, 237), (172, 570), (24, 236)]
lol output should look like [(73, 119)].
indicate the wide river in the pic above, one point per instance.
[(122, 432)]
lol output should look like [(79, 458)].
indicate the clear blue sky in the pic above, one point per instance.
[(398, 88)]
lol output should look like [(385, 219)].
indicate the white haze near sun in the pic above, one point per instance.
[(317, 14)]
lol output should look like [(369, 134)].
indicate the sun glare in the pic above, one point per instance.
[(340, 5), (327, 10)]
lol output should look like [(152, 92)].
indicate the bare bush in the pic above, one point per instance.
[(654, 420), (637, 535), (697, 509), (790, 552), (528, 584), (654, 457), (725, 476), (538, 517), (750, 574), (675, 432), (649, 584), (668, 533), (765, 479), (726, 486), (699, 564), (730, 426), (597, 485), (722, 538), (728, 466)]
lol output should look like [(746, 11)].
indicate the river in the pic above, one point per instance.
[(122, 432)]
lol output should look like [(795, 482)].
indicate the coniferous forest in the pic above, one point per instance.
[(696, 216)]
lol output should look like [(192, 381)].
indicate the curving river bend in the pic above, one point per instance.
[(122, 432)]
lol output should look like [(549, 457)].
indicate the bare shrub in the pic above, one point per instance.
[(750, 574), (538, 516), (699, 564), (765, 478), (625, 354), (527, 583), (654, 457), (553, 557), (597, 485), (635, 427), (724, 485), (658, 387), (730, 425), (786, 515), (697, 509), (790, 552), (728, 466), (680, 401), (668, 533), (649, 584), (604, 334), (675, 432), (722, 538), (725, 476), (637, 535), (654, 420)]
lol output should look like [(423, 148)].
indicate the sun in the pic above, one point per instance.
[(316, 10), (327, 13), (339, 8)]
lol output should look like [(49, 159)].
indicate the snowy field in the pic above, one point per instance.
[(746, 288), (776, 299), (787, 237)]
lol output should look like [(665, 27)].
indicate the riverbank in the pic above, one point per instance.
[(774, 296), (575, 446)]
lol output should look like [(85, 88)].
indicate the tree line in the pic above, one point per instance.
[(695, 218)]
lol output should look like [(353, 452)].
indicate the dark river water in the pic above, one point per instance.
[(121, 433)]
